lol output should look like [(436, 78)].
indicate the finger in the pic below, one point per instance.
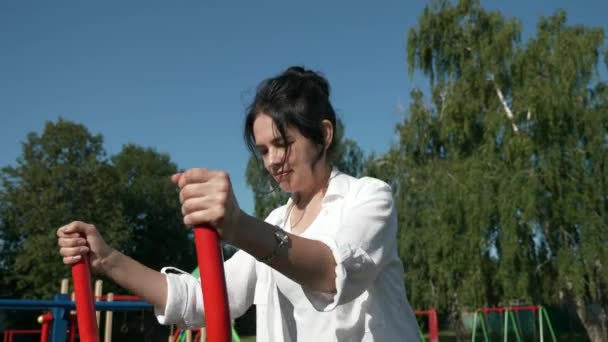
[(74, 227), (204, 202), (71, 242), (61, 234), (198, 175), (207, 217), (175, 177), (72, 251), (71, 259), (195, 190), (78, 227), (194, 204)]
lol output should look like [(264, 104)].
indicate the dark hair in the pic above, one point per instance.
[(296, 98)]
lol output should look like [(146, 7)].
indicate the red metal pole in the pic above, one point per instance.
[(85, 306), (45, 319), (213, 283), (433, 326), (72, 329)]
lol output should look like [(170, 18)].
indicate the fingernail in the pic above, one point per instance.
[(76, 257)]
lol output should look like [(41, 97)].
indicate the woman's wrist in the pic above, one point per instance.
[(236, 233), (109, 261)]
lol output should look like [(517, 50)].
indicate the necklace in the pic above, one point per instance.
[(289, 211)]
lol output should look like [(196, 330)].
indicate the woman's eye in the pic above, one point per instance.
[(262, 152)]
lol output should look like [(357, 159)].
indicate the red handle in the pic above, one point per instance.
[(213, 283), (85, 306)]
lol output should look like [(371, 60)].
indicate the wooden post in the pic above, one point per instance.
[(65, 286), (98, 292), (109, 314), (73, 312)]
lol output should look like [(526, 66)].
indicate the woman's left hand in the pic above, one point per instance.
[(207, 199)]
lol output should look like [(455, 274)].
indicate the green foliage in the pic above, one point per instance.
[(501, 177), (63, 176), (151, 208)]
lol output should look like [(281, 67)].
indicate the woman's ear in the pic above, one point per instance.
[(328, 133)]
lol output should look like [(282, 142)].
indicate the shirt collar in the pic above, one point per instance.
[(336, 188)]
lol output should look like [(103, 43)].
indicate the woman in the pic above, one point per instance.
[(323, 267)]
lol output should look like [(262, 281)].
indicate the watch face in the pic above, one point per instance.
[(281, 236)]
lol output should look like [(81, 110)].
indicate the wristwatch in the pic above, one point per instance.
[(282, 242)]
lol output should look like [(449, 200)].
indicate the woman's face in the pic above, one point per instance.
[(293, 171)]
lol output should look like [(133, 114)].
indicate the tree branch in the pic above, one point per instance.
[(506, 108)]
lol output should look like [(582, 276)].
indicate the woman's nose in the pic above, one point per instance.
[(276, 156)]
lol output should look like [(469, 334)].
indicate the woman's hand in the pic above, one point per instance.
[(207, 199), (78, 238)]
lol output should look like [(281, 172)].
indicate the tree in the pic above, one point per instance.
[(61, 176), (501, 176), (151, 208), (64, 175)]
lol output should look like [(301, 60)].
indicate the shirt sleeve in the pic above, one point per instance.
[(366, 232), (184, 305)]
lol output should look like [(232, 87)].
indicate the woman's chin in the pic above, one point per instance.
[(285, 187)]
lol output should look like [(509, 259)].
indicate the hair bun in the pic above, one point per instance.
[(318, 80)]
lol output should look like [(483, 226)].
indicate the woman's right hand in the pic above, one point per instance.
[(79, 238)]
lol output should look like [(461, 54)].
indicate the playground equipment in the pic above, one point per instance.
[(210, 261), (60, 308), (45, 320), (85, 307), (509, 316), (215, 297), (431, 315), (195, 335), (211, 265), (7, 335)]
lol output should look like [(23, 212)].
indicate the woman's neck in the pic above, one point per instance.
[(302, 199)]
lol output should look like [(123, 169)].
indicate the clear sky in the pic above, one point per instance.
[(177, 75)]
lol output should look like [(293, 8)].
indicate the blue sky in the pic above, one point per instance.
[(177, 76)]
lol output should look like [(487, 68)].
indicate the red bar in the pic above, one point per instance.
[(213, 283), (45, 320), (175, 335), (85, 308), (72, 329), (432, 321), (532, 308), (486, 310), (433, 326), (8, 334)]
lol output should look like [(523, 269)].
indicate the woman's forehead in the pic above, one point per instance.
[(266, 130)]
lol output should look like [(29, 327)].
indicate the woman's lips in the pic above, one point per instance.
[(281, 175)]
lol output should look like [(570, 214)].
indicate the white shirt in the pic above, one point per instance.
[(358, 223)]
